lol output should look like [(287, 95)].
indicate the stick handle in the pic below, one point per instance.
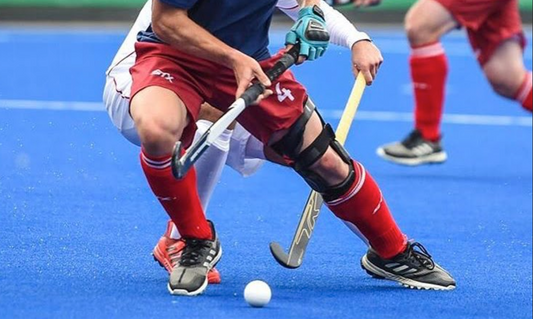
[(283, 64), (351, 108)]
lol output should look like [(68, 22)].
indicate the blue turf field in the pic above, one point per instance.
[(77, 220)]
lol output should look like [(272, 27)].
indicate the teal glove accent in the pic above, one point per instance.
[(310, 31)]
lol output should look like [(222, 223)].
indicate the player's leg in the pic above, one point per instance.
[(208, 170), (163, 108), (159, 127), (353, 196), (117, 99), (236, 148), (161, 118), (292, 127), (500, 43), (426, 22), (508, 75)]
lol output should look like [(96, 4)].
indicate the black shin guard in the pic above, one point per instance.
[(289, 146), (335, 192)]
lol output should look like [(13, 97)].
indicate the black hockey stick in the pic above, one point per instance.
[(181, 163), (314, 203)]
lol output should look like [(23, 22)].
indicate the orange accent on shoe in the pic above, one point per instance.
[(161, 254), (168, 249), (213, 277)]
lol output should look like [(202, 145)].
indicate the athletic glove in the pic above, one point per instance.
[(310, 31)]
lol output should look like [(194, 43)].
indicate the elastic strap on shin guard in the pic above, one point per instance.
[(302, 161)]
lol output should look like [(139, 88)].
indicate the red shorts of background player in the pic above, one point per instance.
[(488, 22), (197, 80)]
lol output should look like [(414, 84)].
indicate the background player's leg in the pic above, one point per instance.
[(159, 127), (426, 22), (508, 75)]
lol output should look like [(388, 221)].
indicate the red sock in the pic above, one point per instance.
[(364, 207), (429, 70), (178, 197), (524, 93)]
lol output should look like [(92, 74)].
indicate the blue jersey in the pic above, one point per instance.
[(241, 24)]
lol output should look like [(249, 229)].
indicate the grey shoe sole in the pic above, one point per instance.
[(199, 291), (406, 282), (435, 158)]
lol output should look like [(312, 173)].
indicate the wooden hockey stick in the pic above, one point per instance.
[(314, 203)]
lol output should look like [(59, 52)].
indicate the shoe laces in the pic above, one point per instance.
[(193, 252), (413, 139), (420, 256)]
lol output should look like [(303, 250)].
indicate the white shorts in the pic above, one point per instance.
[(245, 153)]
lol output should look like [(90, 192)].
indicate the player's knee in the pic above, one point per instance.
[(419, 30), (505, 70), (502, 87), (157, 134), (160, 118), (417, 33), (503, 82)]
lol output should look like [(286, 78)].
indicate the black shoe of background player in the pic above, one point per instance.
[(189, 276), (412, 269), (414, 150)]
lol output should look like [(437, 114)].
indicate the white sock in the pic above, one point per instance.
[(209, 166), (255, 149), (246, 152)]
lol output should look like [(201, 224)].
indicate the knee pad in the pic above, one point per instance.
[(301, 162)]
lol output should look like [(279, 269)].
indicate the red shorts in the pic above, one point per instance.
[(197, 80), (488, 22)]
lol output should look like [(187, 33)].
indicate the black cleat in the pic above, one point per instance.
[(412, 269), (413, 151), (189, 276)]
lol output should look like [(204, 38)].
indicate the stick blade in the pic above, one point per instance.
[(282, 258)]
